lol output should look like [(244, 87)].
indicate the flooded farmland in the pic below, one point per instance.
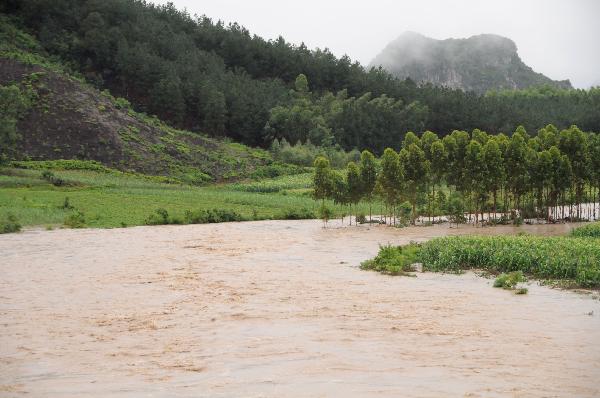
[(276, 309)]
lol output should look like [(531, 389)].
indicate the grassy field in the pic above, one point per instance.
[(110, 198), (571, 259)]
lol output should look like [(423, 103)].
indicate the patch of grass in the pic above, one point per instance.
[(554, 258), (394, 260), (75, 220), (9, 224), (589, 231), (110, 198)]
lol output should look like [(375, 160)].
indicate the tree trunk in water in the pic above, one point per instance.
[(495, 204), (434, 202)]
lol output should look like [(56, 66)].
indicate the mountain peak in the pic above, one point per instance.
[(478, 63)]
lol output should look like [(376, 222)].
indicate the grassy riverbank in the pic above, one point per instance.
[(575, 261), (37, 196)]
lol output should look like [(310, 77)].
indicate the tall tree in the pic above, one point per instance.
[(390, 179), (494, 173), (439, 164), (416, 170), (368, 177), (354, 184), (573, 143), (474, 173), (322, 179)]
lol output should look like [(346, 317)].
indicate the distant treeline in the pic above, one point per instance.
[(521, 176), (204, 76)]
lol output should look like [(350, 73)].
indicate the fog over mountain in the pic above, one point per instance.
[(558, 38), (479, 63)]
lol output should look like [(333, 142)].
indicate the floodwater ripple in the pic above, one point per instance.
[(276, 308)]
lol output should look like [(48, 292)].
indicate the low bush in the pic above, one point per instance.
[(70, 164), (393, 260), (161, 217), (277, 169), (66, 204), (75, 220), (9, 224), (297, 214), (510, 280), (211, 216), (52, 179)]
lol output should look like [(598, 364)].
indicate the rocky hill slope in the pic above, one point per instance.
[(67, 118), (479, 63)]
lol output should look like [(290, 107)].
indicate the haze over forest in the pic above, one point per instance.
[(555, 38)]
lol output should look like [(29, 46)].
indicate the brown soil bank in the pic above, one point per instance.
[(275, 309)]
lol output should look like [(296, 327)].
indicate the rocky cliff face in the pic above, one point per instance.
[(479, 63)]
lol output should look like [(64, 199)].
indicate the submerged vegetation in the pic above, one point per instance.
[(590, 230), (568, 259), (560, 258), (393, 260), (510, 281)]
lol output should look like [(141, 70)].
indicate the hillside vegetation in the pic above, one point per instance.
[(203, 76), (62, 117)]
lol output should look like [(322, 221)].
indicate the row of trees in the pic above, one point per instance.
[(549, 175), (204, 76)]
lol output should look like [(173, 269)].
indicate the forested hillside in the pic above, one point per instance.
[(48, 114), (203, 76)]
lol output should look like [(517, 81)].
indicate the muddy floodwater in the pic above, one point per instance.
[(276, 309)]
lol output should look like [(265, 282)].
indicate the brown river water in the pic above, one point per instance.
[(276, 309)]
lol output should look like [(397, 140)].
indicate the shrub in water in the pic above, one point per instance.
[(393, 260), (325, 213), (509, 281)]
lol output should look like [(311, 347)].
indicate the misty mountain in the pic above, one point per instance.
[(479, 63)]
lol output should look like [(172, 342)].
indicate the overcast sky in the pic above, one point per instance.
[(559, 38)]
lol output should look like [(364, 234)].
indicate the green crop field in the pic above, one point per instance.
[(110, 198)]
